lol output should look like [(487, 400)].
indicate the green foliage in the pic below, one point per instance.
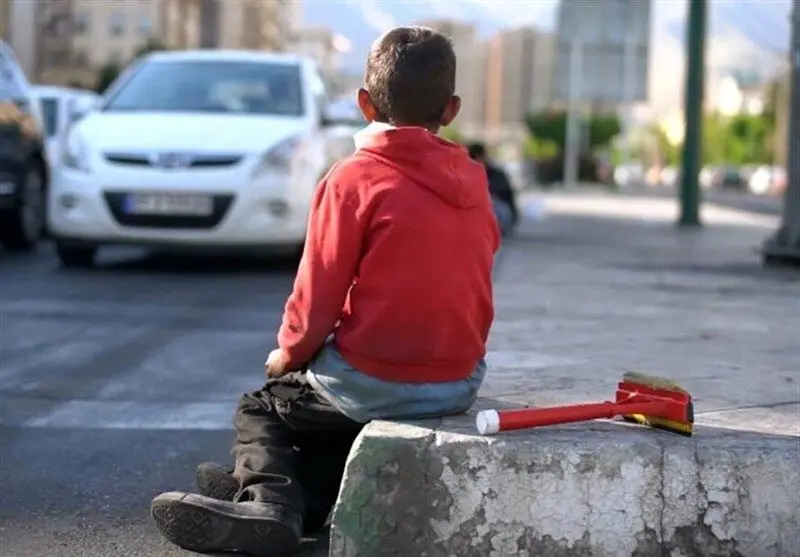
[(108, 73), (538, 149), (602, 130), (549, 130), (451, 134), (738, 140), (151, 45), (548, 127)]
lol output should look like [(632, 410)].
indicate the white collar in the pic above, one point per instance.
[(362, 136)]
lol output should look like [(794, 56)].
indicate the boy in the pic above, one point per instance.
[(397, 271)]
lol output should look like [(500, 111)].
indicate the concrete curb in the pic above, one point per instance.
[(601, 489)]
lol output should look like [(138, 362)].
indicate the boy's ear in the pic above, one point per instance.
[(368, 109), (451, 110)]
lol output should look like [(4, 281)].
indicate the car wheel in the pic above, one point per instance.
[(76, 256), (25, 226)]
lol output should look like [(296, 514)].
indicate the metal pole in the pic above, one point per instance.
[(695, 86), (628, 94), (573, 132), (784, 245)]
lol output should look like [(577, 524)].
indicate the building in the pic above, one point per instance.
[(73, 39), (471, 57), (5, 20), (519, 79), (326, 47), (247, 24), (20, 14)]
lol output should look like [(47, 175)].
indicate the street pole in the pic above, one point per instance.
[(784, 245), (573, 132), (695, 88), (628, 94)]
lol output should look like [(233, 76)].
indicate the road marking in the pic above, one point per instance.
[(109, 414)]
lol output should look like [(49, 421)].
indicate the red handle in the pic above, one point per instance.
[(537, 417)]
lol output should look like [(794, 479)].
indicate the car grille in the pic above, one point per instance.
[(197, 161), (115, 200)]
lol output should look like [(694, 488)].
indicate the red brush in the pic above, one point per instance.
[(650, 401)]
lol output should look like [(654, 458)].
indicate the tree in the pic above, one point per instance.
[(111, 70), (451, 134), (152, 44), (108, 73), (550, 128)]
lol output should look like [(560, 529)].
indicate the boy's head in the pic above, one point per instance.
[(410, 79)]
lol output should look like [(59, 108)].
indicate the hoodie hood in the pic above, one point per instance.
[(436, 164)]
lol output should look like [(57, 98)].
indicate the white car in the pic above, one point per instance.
[(61, 107), (766, 180), (197, 149)]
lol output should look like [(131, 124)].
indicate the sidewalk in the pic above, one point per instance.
[(602, 285)]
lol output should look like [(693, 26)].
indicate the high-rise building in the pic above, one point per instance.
[(319, 43), (470, 57), (247, 24), (73, 39), (16, 15), (519, 78)]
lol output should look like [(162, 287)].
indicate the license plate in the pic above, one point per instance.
[(169, 204)]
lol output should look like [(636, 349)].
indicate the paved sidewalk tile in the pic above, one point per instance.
[(604, 284)]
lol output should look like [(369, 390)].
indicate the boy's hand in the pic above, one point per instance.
[(275, 366)]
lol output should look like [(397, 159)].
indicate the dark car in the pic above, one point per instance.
[(24, 172)]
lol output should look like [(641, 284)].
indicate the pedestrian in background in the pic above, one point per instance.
[(503, 196)]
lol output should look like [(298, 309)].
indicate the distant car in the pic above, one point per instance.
[(722, 177), (728, 177), (669, 176), (629, 175), (61, 107), (24, 172), (197, 150), (767, 180)]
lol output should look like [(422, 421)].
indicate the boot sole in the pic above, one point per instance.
[(196, 528)]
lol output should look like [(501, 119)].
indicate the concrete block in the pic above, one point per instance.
[(602, 489)]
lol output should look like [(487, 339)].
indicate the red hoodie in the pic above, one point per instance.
[(397, 262)]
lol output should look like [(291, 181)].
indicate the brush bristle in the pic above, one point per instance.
[(680, 428), (653, 382)]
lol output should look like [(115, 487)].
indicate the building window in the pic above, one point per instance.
[(145, 26), (81, 23), (116, 24)]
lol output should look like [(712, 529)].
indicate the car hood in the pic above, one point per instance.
[(136, 131)]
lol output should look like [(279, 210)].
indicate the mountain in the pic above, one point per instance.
[(742, 33)]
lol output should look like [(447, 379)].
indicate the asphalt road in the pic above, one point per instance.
[(115, 383)]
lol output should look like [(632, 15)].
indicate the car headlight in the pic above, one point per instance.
[(279, 157), (75, 154)]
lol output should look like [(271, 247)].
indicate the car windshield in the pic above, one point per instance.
[(255, 88), (50, 115)]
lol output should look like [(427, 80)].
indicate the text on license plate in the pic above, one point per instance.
[(169, 204)]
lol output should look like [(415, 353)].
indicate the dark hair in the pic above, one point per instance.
[(477, 151), (411, 75)]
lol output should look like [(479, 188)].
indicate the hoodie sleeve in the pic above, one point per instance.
[(326, 271)]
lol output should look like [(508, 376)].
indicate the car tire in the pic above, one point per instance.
[(25, 226), (75, 257)]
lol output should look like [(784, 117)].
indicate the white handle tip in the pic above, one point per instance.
[(488, 422)]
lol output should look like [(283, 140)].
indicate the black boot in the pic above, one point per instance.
[(206, 525), (216, 481)]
